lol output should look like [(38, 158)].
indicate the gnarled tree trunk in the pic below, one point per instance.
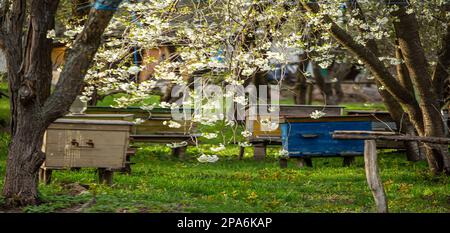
[(33, 107), (424, 111)]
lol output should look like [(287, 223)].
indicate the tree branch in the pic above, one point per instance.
[(394, 92), (76, 65), (377, 68), (37, 62)]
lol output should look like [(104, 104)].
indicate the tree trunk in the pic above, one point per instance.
[(406, 28), (28, 55), (425, 116), (413, 151), (324, 87), (302, 89), (24, 160), (167, 95)]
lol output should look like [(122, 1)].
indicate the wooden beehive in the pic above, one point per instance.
[(254, 126), (382, 121), (75, 143), (307, 137), (153, 120)]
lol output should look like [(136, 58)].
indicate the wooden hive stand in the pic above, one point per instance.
[(372, 170)]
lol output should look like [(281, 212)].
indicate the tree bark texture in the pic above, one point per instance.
[(414, 56), (424, 112), (33, 106)]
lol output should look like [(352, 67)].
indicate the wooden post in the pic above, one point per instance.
[(105, 176), (348, 160), (283, 162), (127, 168), (373, 175), (179, 152), (302, 162), (45, 175), (259, 151), (241, 152)]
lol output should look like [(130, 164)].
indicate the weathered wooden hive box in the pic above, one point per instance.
[(153, 120), (258, 132), (382, 121), (307, 137), (76, 143)]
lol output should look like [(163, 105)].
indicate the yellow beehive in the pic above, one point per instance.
[(255, 126)]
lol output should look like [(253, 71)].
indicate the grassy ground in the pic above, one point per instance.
[(4, 104), (160, 183), (109, 100)]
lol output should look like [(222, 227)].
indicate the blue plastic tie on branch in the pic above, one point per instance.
[(107, 5)]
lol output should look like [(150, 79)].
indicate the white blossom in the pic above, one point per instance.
[(208, 158), (172, 124), (209, 135), (219, 148), (246, 133), (138, 121), (317, 114)]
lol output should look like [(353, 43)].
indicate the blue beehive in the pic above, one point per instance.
[(313, 137)]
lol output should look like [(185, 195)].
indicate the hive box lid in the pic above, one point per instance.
[(132, 109), (93, 122), (298, 110), (126, 117), (301, 105), (292, 119), (100, 115)]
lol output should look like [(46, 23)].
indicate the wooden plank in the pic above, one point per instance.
[(123, 117), (290, 119), (92, 127), (92, 122), (166, 138), (434, 140), (373, 176), (106, 157), (99, 138), (364, 132)]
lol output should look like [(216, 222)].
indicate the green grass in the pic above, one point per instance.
[(364, 106), (4, 104), (348, 106), (109, 100), (160, 183)]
